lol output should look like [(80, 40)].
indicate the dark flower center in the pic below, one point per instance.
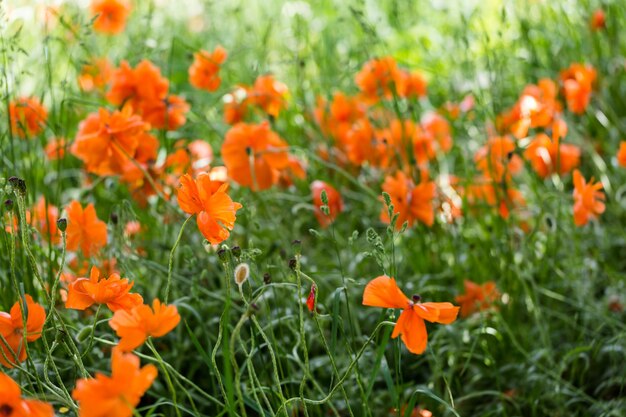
[(6, 410)]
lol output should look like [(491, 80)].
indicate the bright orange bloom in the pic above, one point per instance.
[(236, 105), (111, 15), (598, 20), (548, 156), (168, 113), (477, 297), (377, 78), (84, 229), (269, 94), (204, 72), (384, 292), (136, 325), (106, 141), (361, 143), (254, 154), (337, 117), (142, 84), (55, 149), (578, 82), (113, 291), (335, 203), (497, 159), (15, 336), (499, 195), (216, 211), (45, 218), (116, 395), (95, 75), (438, 129), (588, 199), (12, 404), (621, 154), (411, 84), (28, 116), (411, 202)]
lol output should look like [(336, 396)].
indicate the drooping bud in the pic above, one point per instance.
[(62, 224), (236, 251), (267, 278), (310, 301)]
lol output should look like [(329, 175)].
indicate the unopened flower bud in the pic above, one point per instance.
[(8, 204), (236, 251), (267, 278), (292, 264), (62, 224), (222, 253)]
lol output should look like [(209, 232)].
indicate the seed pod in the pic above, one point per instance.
[(242, 272)]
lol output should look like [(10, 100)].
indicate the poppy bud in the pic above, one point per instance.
[(222, 253), (84, 334), (310, 301), (297, 245), (8, 204), (292, 264), (62, 224), (18, 184), (114, 218), (267, 278), (236, 251), (207, 246), (242, 272)]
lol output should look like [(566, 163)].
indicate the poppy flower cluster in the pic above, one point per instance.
[(266, 94)]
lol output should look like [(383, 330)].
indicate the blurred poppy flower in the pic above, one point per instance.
[(14, 335), (13, 405), (28, 116), (134, 326), (95, 75), (384, 292), (168, 113), (588, 199), (55, 149), (113, 291), (621, 154), (45, 218), (268, 94), (215, 210), (548, 156), (377, 79), (116, 395), (497, 159), (411, 202), (578, 82), (477, 297), (111, 15), (254, 155), (335, 202), (106, 141), (84, 229), (204, 72), (236, 105), (598, 20)]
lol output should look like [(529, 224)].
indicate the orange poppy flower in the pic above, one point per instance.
[(113, 291), (477, 297), (168, 113), (253, 155), (497, 159), (578, 82), (215, 210), (111, 15), (269, 94), (377, 78), (84, 229), (598, 20), (621, 154), (55, 149), (438, 128), (13, 405), (45, 218), (236, 105), (588, 199), (116, 395), (28, 116), (498, 195), (544, 153), (337, 117), (411, 202), (361, 142), (384, 292), (105, 141), (138, 86), (136, 325), (411, 84), (14, 334), (95, 75), (204, 72), (335, 203)]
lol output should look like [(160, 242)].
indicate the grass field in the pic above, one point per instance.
[(326, 208)]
